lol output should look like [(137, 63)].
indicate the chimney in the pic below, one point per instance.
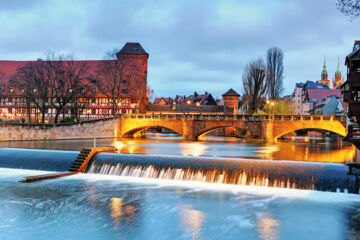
[(356, 44)]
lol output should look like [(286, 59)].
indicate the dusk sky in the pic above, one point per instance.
[(193, 45)]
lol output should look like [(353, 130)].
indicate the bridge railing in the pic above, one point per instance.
[(341, 118)]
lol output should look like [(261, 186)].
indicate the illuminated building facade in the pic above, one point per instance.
[(93, 97)]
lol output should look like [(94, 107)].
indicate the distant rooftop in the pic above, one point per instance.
[(133, 48), (231, 92), (315, 85)]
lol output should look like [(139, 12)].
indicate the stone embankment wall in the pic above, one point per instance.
[(99, 128)]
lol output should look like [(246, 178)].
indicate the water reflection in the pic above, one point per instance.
[(316, 150), (267, 227), (192, 220), (193, 149)]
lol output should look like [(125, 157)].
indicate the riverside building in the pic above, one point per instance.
[(106, 87)]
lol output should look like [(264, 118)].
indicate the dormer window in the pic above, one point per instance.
[(11, 90), (22, 90), (70, 90), (83, 90), (11, 80)]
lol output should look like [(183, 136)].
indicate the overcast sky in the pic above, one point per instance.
[(193, 45)]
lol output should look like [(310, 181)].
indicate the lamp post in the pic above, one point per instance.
[(272, 104), (267, 107)]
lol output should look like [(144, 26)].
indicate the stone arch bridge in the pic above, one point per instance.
[(189, 126), (265, 127)]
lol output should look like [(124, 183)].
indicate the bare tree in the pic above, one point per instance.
[(350, 8), (66, 78), (35, 86), (113, 78), (80, 102), (274, 72), (254, 85)]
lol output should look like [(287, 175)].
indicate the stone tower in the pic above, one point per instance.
[(135, 70), (338, 78), (231, 101), (324, 75)]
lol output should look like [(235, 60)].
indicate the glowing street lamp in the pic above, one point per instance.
[(267, 106), (272, 104)]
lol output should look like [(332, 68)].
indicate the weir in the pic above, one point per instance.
[(283, 174)]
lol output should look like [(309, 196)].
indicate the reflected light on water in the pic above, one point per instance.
[(129, 146), (193, 149), (116, 206), (120, 211), (267, 227), (192, 220), (310, 153)]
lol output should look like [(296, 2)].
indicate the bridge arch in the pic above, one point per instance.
[(202, 133), (340, 132), (132, 132)]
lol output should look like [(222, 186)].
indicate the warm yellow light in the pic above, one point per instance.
[(267, 101), (272, 103), (188, 101), (197, 104)]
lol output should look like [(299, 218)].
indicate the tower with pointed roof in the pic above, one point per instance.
[(324, 75), (231, 101), (338, 81)]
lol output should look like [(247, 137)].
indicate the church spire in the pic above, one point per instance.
[(338, 78), (338, 66), (324, 75)]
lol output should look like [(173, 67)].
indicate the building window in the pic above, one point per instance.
[(124, 91), (70, 90), (22, 90), (83, 90), (11, 90), (34, 90)]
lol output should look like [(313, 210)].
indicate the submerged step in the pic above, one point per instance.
[(46, 176)]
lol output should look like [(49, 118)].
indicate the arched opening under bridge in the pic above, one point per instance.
[(227, 132), (151, 131)]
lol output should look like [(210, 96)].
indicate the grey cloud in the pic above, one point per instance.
[(214, 47)]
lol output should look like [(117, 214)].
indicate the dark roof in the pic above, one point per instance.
[(133, 48), (300, 85), (315, 85), (231, 92), (355, 53)]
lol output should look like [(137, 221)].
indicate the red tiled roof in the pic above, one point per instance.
[(9, 69), (319, 94)]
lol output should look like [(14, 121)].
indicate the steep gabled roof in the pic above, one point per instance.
[(132, 48), (231, 92)]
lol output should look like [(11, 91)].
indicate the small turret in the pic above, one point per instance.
[(324, 75), (231, 100)]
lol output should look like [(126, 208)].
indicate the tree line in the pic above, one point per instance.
[(261, 81), (58, 82)]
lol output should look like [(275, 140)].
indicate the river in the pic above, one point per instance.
[(94, 206)]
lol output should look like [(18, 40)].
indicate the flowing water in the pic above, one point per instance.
[(223, 189)]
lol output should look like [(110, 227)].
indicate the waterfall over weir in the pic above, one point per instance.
[(283, 174)]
